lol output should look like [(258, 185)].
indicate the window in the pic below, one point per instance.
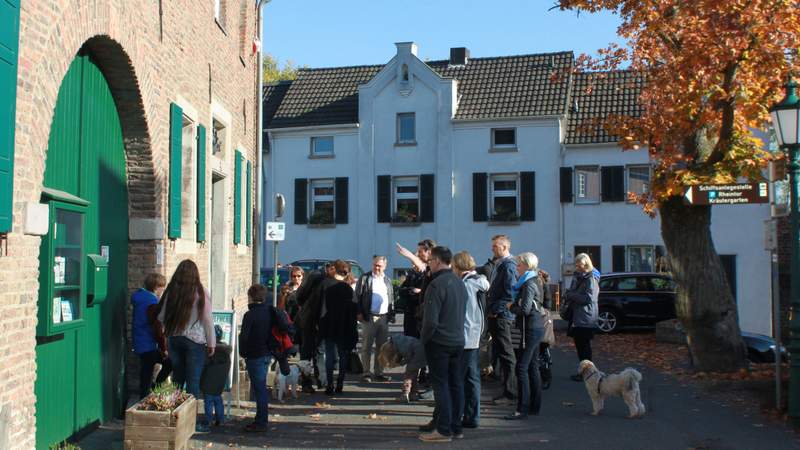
[(641, 258), (405, 204), (504, 137), (594, 254), (638, 179), (322, 199), (322, 146), (188, 178), (587, 185), (406, 128), (405, 73), (631, 284), (504, 197), (218, 138), (662, 284)]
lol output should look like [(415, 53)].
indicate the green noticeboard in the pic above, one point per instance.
[(227, 321)]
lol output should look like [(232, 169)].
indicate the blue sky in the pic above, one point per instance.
[(327, 33)]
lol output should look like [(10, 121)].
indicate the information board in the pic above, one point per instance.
[(227, 321)]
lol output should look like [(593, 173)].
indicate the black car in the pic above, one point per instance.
[(318, 264), (635, 298)]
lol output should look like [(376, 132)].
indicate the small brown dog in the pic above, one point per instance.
[(624, 384)]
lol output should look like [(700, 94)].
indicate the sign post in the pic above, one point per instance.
[(276, 232), (728, 194)]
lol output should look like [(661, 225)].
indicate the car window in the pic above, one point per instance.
[(662, 284), (607, 284), (628, 284)]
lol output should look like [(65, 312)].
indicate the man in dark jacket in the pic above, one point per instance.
[(501, 320), (374, 296), (443, 337), (255, 346)]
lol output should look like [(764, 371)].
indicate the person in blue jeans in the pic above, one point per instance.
[(213, 381), (528, 307), (185, 311), (443, 337), (256, 344)]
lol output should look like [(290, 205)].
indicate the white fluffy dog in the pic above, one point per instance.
[(286, 383), (624, 384)]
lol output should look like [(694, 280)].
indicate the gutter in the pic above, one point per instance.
[(313, 127), (256, 276)]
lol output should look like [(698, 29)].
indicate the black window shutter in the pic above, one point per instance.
[(426, 195), (565, 178), (528, 197), (612, 183), (384, 198), (480, 190), (605, 184), (300, 201), (340, 191), (618, 258)]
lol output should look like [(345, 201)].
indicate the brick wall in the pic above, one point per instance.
[(151, 53)]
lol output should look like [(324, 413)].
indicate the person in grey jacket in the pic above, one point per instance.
[(528, 307), (443, 337), (580, 307), (374, 297)]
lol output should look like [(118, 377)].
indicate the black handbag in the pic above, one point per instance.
[(354, 365)]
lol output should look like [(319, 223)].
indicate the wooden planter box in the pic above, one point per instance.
[(160, 429)]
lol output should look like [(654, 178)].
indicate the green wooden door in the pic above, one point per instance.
[(80, 372)]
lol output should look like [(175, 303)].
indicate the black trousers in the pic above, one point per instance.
[(503, 349), (410, 322), (583, 342), (147, 361)]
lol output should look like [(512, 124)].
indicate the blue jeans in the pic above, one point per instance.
[(332, 350), (529, 382), (213, 404), (472, 387), (447, 380), (257, 370), (188, 359)]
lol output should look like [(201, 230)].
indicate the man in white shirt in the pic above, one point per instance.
[(374, 298)]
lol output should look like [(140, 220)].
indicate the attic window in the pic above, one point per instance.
[(405, 72)]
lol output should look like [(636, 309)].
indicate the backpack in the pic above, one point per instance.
[(283, 339)]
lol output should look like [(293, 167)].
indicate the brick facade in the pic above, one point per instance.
[(151, 53)]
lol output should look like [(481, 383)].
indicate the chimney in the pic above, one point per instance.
[(406, 48), (459, 56)]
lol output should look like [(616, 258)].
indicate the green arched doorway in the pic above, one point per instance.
[(80, 348)]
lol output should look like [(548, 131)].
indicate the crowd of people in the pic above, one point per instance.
[(460, 321)]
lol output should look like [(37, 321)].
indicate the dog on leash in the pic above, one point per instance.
[(624, 384), (284, 384)]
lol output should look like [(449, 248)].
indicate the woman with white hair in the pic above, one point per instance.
[(580, 307), (530, 312)]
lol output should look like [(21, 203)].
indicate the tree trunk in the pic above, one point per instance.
[(704, 303)]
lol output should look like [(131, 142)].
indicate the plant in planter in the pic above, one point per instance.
[(505, 216), (165, 418), (321, 217), (404, 215)]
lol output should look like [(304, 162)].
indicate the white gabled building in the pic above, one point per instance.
[(463, 149)]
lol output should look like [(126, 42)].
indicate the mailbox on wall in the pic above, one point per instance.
[(96, 279)]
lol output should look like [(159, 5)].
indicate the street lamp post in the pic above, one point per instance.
[(786, 121)]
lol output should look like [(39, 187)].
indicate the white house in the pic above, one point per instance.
[(463, 149)]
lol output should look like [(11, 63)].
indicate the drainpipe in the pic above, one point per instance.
[(260, 150)]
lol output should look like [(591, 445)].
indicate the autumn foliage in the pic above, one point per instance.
[(713, 68)]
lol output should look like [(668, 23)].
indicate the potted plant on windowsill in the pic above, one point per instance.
[(505, 217), (165, 418), (404, 215), (321, 217)]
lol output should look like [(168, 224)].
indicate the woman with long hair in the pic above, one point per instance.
[(185, 311), (337, 327)]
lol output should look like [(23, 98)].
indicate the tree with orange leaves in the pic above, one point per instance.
[(712, 68)]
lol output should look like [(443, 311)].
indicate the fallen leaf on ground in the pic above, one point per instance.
[(313, 431), (567, 404), (314, 416), (210, 444), (322, 405), (338, 435)]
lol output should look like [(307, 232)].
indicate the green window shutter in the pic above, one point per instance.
[(175, 170), (237, 199), (248, 208), (9, 45), (201, 183)]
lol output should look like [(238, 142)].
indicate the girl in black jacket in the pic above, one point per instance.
[(337, 327)]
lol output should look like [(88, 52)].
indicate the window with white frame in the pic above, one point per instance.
[(405, 201), (322, 200), (504, 197), (640, 258), (322, 146), (587, 184), (504, 137), (188, 178), (218, 138), (406, 128), (638, 179)]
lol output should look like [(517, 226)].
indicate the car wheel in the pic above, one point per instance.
[(608, 321)]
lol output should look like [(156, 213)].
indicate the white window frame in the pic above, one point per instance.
[(188, 178), (313, 198), (503, 146), (629, 248), (315, 154), (628, 178), (401, 182), (494, 194), (582, 186), (413, 139)]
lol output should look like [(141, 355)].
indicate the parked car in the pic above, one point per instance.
[(318, 264), (761, 349), (635, 298)]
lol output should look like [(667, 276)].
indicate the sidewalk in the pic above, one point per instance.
[(679, 417)]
